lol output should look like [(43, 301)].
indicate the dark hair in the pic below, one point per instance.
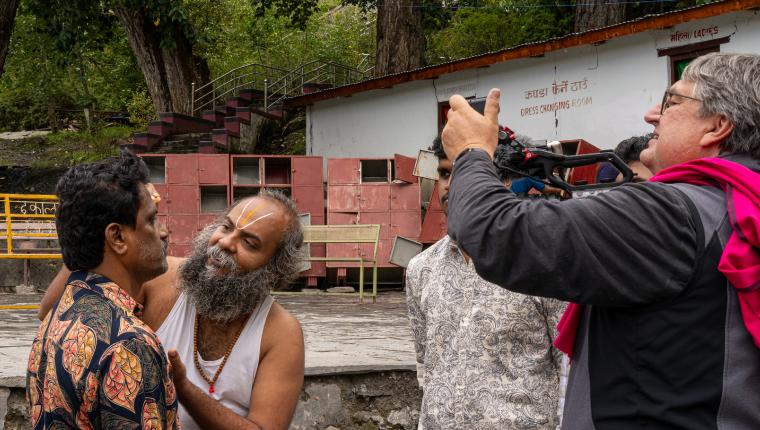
[(437, 148), (91, 196), (630, 149)]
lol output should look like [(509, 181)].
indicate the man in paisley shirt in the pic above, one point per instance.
[(93, 364), (484, 354)]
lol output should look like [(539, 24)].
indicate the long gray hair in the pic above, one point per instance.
[(287, 258), (729, 85)]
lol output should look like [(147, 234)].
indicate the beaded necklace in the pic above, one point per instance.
[(212, 381)]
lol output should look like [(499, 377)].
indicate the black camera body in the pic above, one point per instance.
[(547, 163)]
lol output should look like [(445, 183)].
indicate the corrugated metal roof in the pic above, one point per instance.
[(534, 49)]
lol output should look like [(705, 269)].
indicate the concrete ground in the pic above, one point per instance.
[(341, 335)]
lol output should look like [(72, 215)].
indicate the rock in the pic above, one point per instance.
[(363, 391), (26, 289), (402, 418), (320, 406), (4, 394), (341, 290), (21, 135), (16, 417), (367, 417)]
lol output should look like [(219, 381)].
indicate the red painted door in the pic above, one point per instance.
[(342, 218), (309, 199), (343, 171), (318, 268), (586, 173), (213, 169), (383, 255), (343, 198), (374, 198), (434, 227), (403, 168), (182, 199), (382, 218), (182, 169), (206, 220), (406, 224), (435, 201), (342, 249), (182, 228), (405, 197), (317, 250), (306, 171), (180, 249)]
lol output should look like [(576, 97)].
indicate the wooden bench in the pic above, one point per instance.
[(352, 233)]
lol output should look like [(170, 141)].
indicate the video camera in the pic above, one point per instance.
[(547, 163)]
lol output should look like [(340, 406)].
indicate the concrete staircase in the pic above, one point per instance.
[(230, 111)]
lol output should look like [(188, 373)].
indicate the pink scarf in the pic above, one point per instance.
[(740, 262)]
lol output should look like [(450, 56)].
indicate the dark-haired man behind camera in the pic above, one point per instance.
[(93, 364), (484, 354), (666, 271)]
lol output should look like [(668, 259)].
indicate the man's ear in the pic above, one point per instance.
[(722, 129), (115, 238)]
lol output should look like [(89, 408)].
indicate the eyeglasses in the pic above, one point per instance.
[(669, 95)]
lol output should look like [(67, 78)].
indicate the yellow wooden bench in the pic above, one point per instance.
[(352, 233)]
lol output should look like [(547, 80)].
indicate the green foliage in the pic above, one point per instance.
[(100, 75), (231, 34), (85, 146), (474, 31), (66, 148), (140, 108), (298, 12)]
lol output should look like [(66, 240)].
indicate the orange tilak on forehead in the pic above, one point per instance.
[(154, 195), (245, 222)]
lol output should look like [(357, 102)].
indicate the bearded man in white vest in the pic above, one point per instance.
[(237, 356)]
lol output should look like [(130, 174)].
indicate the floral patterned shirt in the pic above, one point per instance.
[(484, 354), (94, 365)]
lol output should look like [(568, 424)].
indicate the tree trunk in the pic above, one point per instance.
[(400, 37), (182, 69), (169, 72), (7, 17), (598, 13), (145, 45)]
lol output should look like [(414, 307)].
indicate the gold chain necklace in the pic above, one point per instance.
[(212, 381)]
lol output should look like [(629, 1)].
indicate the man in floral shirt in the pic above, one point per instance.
[(484, 354), (93, 364)]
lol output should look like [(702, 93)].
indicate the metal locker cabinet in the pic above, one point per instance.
[(307, 171), (181, 169), (214, 169), (342, 171), (374, 197)]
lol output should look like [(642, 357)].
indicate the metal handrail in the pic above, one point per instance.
[(28, 217), (276, 83), (292, 84), (230, 82)]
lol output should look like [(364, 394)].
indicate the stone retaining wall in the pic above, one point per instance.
[(372, 400)]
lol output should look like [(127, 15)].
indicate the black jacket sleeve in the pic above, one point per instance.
[(636, 244)]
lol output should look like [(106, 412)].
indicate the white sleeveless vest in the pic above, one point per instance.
[(233, 388)]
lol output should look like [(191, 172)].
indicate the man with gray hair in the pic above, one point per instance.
[(214, 312), (665, 329)]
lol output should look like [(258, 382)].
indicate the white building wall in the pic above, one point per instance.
[(609, 87)]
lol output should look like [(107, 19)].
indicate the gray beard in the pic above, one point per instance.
[(222, 297)]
